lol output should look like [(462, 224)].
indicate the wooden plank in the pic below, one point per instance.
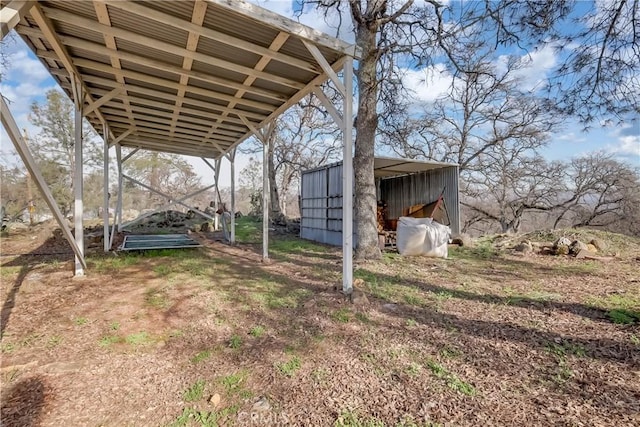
[(103, 17), (155, 64), (151, 145), (162, 129), (275, 45), (62, 55), (183, 121), (97, 66), (325, 66), (266, 17), (170, 97), (347, 180), (196, 28), (199, 11), (11, 14), (103, 100), (293, 100), (331, 109), (9, 124), (151, 42)]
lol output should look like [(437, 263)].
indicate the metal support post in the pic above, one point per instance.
[(78, 208), (232, 161), (347, 179), (105, 204), (265, 198)]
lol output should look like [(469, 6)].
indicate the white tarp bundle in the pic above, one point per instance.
[(422, 236)]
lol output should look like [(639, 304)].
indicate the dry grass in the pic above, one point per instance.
[(483, 338)]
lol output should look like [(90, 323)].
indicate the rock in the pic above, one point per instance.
[(130, 214), (462, 239), (577, 246), (600, 245), (205, 227), (17, 226), (561, 246), (215, 400), (358, 282), (390, 306), (561, 250), (196, 228), (261, 405), (358, 298), (592, 248), (563, 241), (524, 247)]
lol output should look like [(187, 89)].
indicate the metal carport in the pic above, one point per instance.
[(194, 77)]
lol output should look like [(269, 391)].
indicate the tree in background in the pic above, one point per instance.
[(601, 192), (595, 80), (54, 147), (169, 173), (304, 137), (251, 184)]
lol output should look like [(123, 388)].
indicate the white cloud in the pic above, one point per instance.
[(572, 137), (534, 69), (24, 67), (429, 83), (629, 146)]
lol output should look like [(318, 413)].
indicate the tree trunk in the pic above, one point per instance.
[(275, 212), (367, 123)]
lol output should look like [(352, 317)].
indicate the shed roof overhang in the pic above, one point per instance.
[(388, 167), (194, 77)]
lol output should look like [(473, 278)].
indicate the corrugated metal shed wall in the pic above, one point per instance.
[(424, 187), (321, 198)]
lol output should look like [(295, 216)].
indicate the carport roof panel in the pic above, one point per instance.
[(230, 59)]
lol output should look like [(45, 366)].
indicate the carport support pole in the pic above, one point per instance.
[(78, 209), (120, 186), (232, 166), (105, 203), (347, 180), (265, 197)]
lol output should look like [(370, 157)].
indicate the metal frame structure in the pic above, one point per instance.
[(191, 77)]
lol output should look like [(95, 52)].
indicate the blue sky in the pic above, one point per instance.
[(27, 81)]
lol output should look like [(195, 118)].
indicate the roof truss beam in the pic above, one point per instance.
[(60, 50), (325, 66), (181, 87), (195, 27), (167, 96), (167, 47), (156, 64), (103, 100), (11, 14)]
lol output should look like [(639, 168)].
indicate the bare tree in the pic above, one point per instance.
[(390, 31), (305, 137), (601, 191), (169, 173), (484, 109), (509, 184)]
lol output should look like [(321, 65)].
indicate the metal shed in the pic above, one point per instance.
[(400, 183)]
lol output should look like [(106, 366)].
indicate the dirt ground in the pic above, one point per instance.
[(214, 336)]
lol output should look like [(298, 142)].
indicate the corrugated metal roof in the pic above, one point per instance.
[(187, 70), (387, 167)]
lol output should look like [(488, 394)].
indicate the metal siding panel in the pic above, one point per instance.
[(423, 187), (324, 185)]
